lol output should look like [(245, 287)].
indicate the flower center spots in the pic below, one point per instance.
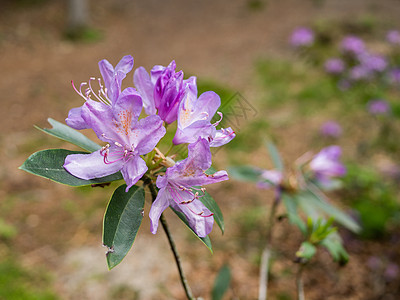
[(125, 122)]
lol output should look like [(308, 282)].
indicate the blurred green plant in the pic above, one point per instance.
[(221, 283), (19, 283), (374, 199)]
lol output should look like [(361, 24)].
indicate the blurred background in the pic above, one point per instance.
[(271, 86)]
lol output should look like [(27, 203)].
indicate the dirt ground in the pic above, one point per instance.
[(219, 40)]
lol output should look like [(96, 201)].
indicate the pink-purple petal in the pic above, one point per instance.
[(222, 137), (145, 87), (208, 103), (190, 134), (125, 65), (107, 72), (157, 208), (89, 166), (75, 119), (133, 170), (99, 117), (126, 112), (199, 217), (147, 134)]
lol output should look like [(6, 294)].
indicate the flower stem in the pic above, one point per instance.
[(265, 258), (299, 283), (186, 287)]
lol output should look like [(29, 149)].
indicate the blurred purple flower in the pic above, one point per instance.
[(353, 45), (374, 263), (393, 37), (392, 272), (302, 37), (326, 165), (391, 170), (360, 72), (177, 185), (331, 129), (394, 76), (378, 107), (270, 178), (334, 66), (373, 62)]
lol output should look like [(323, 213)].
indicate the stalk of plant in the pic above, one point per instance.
[(266, 255), (186, 287)]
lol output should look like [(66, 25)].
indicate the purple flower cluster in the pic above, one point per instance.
[(334, 66), (393, 37), (378, 107), (352, 45), (394, 76), (114, 115), (302, 37), (358, 63)]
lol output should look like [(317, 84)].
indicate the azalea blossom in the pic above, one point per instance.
[(181, 189), (327, 165), (163, 90), (127, 139), (194, 119), (107, 94)]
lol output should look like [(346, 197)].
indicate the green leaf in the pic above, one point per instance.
[(221, 283), (245, 173), (333, 244), (211, 170), (275, 157), (121, 222), (210, 203), (291, 208), (68, 134), (49, 164), (332, 211), (306, 251), (206, 240)]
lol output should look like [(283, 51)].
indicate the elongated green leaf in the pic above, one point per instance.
[(290, 203), (275, 157), (333, 244), (332, 211), (68, 134), (221, 283), (245, 173), (210, 203), (121, 222), (206, 240), (49, 164), (307, 207)]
